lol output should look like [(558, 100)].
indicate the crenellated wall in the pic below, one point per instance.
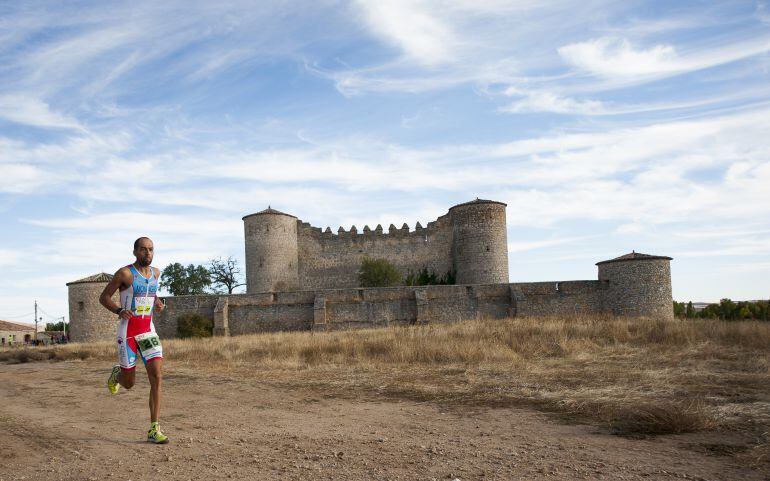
[(283, 253), (331, 260)]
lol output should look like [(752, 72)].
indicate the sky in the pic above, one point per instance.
[(605, 127)]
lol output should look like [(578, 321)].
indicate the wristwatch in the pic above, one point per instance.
[(119, 310)]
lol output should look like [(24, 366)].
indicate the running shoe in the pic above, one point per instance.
[(112, 381), (154, 435)]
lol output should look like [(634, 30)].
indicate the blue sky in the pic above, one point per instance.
[(605, 127)]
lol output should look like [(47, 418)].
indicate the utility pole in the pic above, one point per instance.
[(35, 318)]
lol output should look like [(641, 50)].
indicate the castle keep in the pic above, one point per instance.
[(285, 254), (300, 277)]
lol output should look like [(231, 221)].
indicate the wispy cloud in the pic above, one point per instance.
[(614, 57), (413, 27), (617, 57), (23, 109), (20, 178)]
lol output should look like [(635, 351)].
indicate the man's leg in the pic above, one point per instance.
[(123, 373), (155, 376), (155, 435)]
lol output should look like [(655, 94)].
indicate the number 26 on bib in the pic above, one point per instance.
[(149, 344)]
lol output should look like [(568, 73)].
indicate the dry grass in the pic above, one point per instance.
[(633, 376)]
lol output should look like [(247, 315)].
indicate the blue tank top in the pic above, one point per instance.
[(139, 298)]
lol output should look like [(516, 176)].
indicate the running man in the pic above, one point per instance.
[(138, 284)]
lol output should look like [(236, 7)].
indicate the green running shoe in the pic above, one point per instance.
[(112, 381), (154, 435)]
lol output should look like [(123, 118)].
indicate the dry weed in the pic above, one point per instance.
[(635, 376)]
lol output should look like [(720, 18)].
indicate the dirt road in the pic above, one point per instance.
[(59, 422)]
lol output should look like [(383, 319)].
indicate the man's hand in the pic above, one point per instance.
[(125, 314), (159, 305)]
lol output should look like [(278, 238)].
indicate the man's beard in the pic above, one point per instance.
[(144, 262)]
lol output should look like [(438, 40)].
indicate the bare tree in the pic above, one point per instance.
[(225, 273)]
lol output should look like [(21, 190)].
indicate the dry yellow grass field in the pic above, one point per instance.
[(633, 377)]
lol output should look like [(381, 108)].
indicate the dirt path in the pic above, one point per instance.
[(59, 422)]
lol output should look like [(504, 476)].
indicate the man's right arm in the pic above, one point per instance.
[(118, 281)]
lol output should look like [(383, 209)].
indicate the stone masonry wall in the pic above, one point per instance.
[(176, 306), (337, 309), (271, 252), (89, 320), (558, 298), (638, 288), (480, 248), (328, 260)]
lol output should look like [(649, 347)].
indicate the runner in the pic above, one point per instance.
[(138, 284)]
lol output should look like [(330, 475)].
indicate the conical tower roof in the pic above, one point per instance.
[(100, 277), (269, 211), (635, 256)]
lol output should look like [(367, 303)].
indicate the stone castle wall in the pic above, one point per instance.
[(564, 298), (638, 287), (271, 252), (338, 309), (328, 260), (302, 278), (469, 241), (89, 320), (480, 247)]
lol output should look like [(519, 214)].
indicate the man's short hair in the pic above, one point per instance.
[(136, 242)]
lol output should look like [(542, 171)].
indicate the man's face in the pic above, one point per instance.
[(144, 252)]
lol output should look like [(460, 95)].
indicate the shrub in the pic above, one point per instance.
[(423, 277), (194, 325), (378, 273)]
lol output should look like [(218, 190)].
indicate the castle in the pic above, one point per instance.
[(301, 277), (284, 253)]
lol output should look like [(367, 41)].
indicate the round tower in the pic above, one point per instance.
[(638, 285), (480, 242), (271, 251), (89, 320)]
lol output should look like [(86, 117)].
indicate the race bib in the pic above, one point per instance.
[(149, 344), (143, 305)]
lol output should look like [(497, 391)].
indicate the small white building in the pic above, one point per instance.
[(13, 334)]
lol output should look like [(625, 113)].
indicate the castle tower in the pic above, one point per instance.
[(639, 285), (480, 242), (271, 251), (89, 320)]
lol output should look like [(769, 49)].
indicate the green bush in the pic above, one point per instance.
[(423, 277), (378, 273), (194, 325)]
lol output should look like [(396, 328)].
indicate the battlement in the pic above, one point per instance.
[(284, 252), (435, 227)]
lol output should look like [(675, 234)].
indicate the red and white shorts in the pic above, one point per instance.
[(137, 336)]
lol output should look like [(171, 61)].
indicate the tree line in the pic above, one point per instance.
[(218, 276), (727, 310)]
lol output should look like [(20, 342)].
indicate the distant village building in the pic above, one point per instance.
[(699, 306), (12, 333), (52, 337)]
